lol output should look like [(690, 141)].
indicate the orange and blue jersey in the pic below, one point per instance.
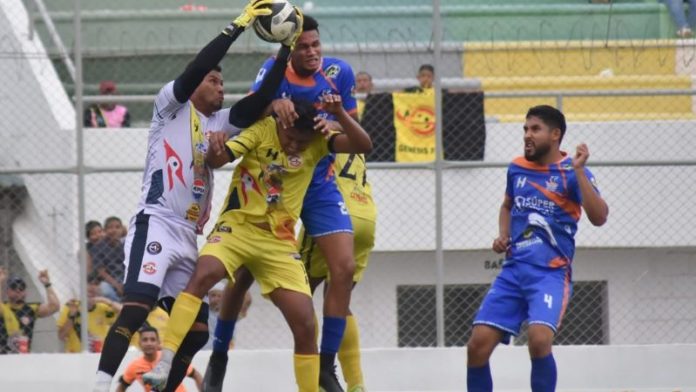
[(546, 207), (324, 210)]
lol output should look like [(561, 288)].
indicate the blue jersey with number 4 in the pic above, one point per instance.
[(546, 207)]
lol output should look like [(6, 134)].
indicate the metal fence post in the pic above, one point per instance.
[(439, 156)]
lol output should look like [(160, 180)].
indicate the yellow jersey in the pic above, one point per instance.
[(351, 177), (101, 316), (157, 319), (268, 186)]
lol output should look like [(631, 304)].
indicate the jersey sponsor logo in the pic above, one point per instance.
[(214, 239), (154, 248), (295, 161), (175, 167), (198, 188), (224, 229), (149, 268), (521, 181), (193, 212), (546, 207), (296, 256), (527, 243), (332, 71), (567, 167)]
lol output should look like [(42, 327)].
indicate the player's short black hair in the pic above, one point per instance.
[(306, 113), (148, 328), (215, 68), (309, 24), (551, 116), (112, 219), (91, 225), (427, 67), (364, 73)]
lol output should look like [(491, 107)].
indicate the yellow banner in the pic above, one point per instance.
[(414, 120)]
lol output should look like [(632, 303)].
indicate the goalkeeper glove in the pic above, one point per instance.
[(254, 9)]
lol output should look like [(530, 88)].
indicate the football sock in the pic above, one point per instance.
[(181, 319), (307, 372), (224, 330), (479, 379), (349, 353), (331, 336), (544, 374)]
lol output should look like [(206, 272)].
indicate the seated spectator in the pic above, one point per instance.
[(425, 76), (9, 325), (27, 313), (107, 259), (102, 313), (107, 115), (149, 342), (676, 9)]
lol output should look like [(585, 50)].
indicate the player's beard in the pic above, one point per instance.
[(538, 152)]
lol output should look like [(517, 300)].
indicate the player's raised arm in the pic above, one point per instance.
[(255, 105), (594, 205), (354, 139), (211, 55)]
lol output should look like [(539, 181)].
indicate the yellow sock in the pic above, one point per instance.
[(182, 317), (349, 353), (307, 372)]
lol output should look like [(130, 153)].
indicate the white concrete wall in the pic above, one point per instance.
[(588, 369)]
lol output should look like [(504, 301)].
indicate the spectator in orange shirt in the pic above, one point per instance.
[(150, 346)]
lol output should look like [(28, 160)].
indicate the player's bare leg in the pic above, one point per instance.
[(543, 364), (338, 251), (298, 311), (479, 350)]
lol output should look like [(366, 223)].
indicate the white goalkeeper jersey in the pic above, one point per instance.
[(177, 184)]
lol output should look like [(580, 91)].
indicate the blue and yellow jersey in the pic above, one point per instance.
[(268, 186), (351, 177), (335, 76), (546, 207)]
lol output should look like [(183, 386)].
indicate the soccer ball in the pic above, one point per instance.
[(279, 25)]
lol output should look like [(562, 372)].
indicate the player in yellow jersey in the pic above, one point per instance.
[(256, 227), (351, 177)]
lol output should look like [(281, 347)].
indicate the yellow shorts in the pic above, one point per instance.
[(274, 263), (363, 242)]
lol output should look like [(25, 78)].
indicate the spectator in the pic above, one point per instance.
[(215, 302), (94, 233), (149, 342), (27, 313), (107, 258), (9, 326), (426, 74), (102, 313), (157, 319), (676, 8), (107, 115), (363, 83)]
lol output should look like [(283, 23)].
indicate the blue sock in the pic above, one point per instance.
[(331, 334), (224, 329), (544, 374), (478, 379)]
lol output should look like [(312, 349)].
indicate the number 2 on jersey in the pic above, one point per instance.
[(345, 171)]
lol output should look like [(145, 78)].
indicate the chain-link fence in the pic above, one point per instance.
[(624, 83)]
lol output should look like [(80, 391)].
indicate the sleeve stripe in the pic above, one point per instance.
[(331, 142)]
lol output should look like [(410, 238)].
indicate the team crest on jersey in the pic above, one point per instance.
[(149, 268), (296, 256), (332, 71), (295, 161), (154, 248), (552, 184), (224, 229)]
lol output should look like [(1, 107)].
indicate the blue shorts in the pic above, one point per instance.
[(323, 210), (525, 292)]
